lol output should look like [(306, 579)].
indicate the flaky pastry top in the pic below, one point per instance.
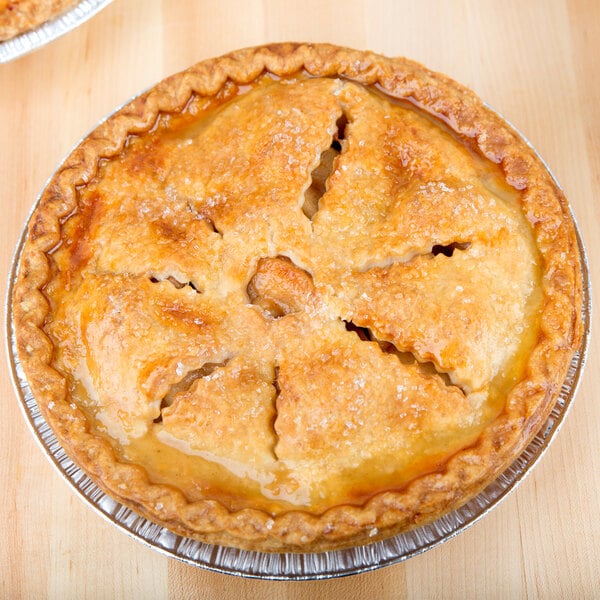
[(298, 297)]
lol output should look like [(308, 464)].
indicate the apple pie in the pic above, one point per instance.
[(21, 16), (298, 298)]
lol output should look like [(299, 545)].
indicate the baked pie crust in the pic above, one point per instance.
[(20, 16), (298, 298)]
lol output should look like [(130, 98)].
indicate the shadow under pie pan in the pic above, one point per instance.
[(229, 79)]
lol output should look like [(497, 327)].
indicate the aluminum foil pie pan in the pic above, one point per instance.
[(298, 566), (50, 30)]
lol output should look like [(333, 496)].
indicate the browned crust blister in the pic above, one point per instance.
[(427, 497)]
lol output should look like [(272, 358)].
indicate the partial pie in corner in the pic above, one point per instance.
[(298, 298), (21, 16)]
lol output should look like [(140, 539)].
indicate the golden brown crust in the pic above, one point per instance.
[(20, 16), (426, 497)]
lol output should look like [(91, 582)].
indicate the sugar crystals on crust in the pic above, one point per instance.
[(296, 295)]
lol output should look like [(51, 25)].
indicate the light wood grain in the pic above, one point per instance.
[(533, 61)]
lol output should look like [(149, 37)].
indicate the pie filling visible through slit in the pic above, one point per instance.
[(304, 310)]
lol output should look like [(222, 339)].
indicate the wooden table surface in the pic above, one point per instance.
[(535, 61)]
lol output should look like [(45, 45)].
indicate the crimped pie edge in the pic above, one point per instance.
[(387, 513)]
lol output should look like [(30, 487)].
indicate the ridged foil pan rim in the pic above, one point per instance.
[(300, 566), (50, 30)]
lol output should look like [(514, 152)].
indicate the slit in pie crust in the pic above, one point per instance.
[(297, 298)]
